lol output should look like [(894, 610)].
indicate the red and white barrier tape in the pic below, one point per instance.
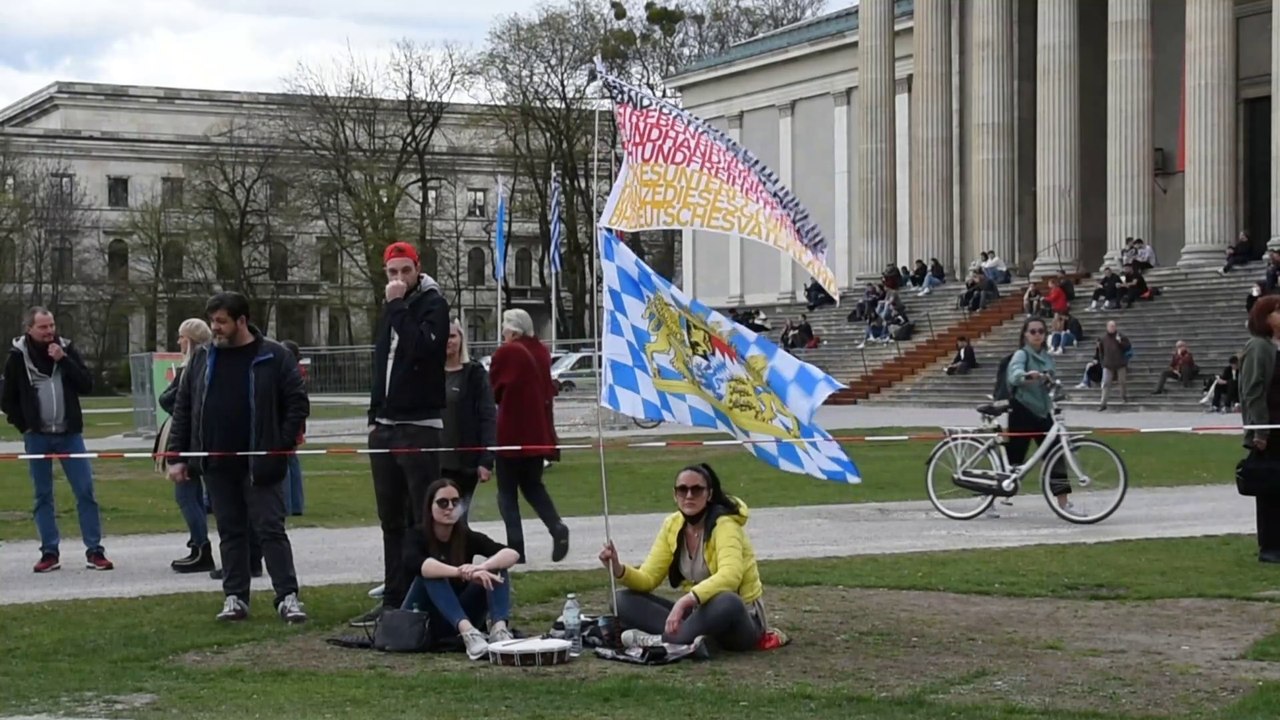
[(656, 444)]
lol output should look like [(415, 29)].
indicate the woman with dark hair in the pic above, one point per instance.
[(702, 549), (1260, 405), (1031, 371), (458, 595)]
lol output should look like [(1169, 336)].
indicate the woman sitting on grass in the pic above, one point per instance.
[(703, 550), (457, 594)]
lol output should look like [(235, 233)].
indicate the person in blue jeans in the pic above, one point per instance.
[(193, 333), (293, 495), (458, 594), (44, 378)]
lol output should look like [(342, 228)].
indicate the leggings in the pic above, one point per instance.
[(724, 619), (1025, 423)]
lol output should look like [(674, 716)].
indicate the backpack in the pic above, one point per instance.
[(1001, 390)]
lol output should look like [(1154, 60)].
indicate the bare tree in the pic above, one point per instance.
[(368, 135), (241, 213)]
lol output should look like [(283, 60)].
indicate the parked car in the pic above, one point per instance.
[(574, 370)]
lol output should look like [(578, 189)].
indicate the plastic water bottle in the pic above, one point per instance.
[(573, 625)]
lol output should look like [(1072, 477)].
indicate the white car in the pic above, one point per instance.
[(574, 370)]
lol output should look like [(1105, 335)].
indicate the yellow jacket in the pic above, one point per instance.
[(728, 553)]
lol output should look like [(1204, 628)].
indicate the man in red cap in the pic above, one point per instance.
[(405, 407)]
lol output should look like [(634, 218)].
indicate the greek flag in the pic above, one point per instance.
[(556, 228), (668, 357), (500, 239)]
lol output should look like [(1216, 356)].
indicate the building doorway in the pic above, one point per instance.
[(1257, 173)]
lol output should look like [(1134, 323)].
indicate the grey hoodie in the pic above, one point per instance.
[(53, 401)]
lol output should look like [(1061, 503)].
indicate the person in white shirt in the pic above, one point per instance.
[(995, 268), (1144, 257)]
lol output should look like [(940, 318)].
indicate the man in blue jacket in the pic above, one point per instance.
[(242, 393)]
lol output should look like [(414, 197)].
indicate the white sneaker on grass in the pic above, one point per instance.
[(477, 644), (233, 609), (290, 610), (637, 638), (499, 632)]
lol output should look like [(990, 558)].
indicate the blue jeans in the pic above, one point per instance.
[(931, 281), (293, 490), (474, 603), (190, 496), (79, 474), (1062, 339)]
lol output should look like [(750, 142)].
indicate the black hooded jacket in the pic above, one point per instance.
[(408, 356)]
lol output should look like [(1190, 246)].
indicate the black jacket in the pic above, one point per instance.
[(18, 400), (169, 397), (477, 423), (408, 356), (277, 408)]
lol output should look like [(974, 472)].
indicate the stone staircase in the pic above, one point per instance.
[(934, 315), (1197, 305)]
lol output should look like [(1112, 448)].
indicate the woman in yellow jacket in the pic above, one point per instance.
[(703, 550)]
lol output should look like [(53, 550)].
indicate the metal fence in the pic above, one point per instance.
[(349, 370)]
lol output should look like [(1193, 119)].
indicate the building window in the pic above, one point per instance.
[(118, 192), (475, 327), (524, 268), (118, 335), (63, 261), (64, 188), (8, 260), (172, 257), (227, 262), (430, 262), (475, 267), (8, 183), (330, 260), (433, 200), (477, 201), (118, 260), (277, 193), (171, 192), (278, 262)]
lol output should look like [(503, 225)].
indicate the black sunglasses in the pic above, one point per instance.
[(446, 503), (1035, 331), (690, 490)]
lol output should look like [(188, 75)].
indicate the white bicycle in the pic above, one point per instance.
[(968, 470)]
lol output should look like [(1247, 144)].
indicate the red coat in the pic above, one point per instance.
[(520, 374), (1057, 299)]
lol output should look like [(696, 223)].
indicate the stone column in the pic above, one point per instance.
[(931, 134), (322, 326), (1058, 137), (876, 146), (735, 241), (1130, 148), (840, 143), (1211, 131), (786, 276), (991, 127), (1274, 242)]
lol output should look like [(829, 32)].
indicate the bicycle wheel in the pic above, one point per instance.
[(1093, 493), (948, 498), (647, 424)]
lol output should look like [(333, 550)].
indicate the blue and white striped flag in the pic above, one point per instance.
[(668, 357), (557, 229), (500, 239)]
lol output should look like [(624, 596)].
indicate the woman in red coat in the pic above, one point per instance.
[(520, 373)]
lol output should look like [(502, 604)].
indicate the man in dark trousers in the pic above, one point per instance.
[(243, 393), (406, 408), (44, 378)]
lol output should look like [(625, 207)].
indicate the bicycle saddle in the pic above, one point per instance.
[(995, 409)]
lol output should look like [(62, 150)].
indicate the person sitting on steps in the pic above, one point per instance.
[(1182, 367), (965, 360), (443, 581), (702, 549), (1107, 295)]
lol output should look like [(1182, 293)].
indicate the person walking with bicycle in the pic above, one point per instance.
[(1029, 376)]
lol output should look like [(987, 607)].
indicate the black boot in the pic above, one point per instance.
[(201, 562), (190, 558)]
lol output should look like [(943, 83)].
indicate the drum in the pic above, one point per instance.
[(529, 652)]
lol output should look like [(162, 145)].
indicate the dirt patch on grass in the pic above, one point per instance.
[(1168, 656)]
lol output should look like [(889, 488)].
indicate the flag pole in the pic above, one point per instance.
[(596, 321), (554, 296), (499, 262)]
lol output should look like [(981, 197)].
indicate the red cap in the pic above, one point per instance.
[(399, 250)]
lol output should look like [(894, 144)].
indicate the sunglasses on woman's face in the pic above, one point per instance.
[(446, 503), (692, 491), (1035, 331)]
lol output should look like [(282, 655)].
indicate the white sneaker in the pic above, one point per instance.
[(1082, 386), (290, 610), (233, 609), (926, 291), (499, 632), (636, 638), (477, 644), (860, 345), (378, 591)]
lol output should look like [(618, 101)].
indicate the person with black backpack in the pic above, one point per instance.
[(1029, 375)]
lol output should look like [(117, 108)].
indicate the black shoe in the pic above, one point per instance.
[(190, 558), (202, 561), (368, 619), (1269, 556), (560, 547)]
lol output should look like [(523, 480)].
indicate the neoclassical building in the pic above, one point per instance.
[(1045, 130), (120, 145)]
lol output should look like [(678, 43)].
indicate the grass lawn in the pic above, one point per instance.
[(1165, 628), (134, 498)]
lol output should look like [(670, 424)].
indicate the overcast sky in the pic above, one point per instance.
[(212, 44)]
